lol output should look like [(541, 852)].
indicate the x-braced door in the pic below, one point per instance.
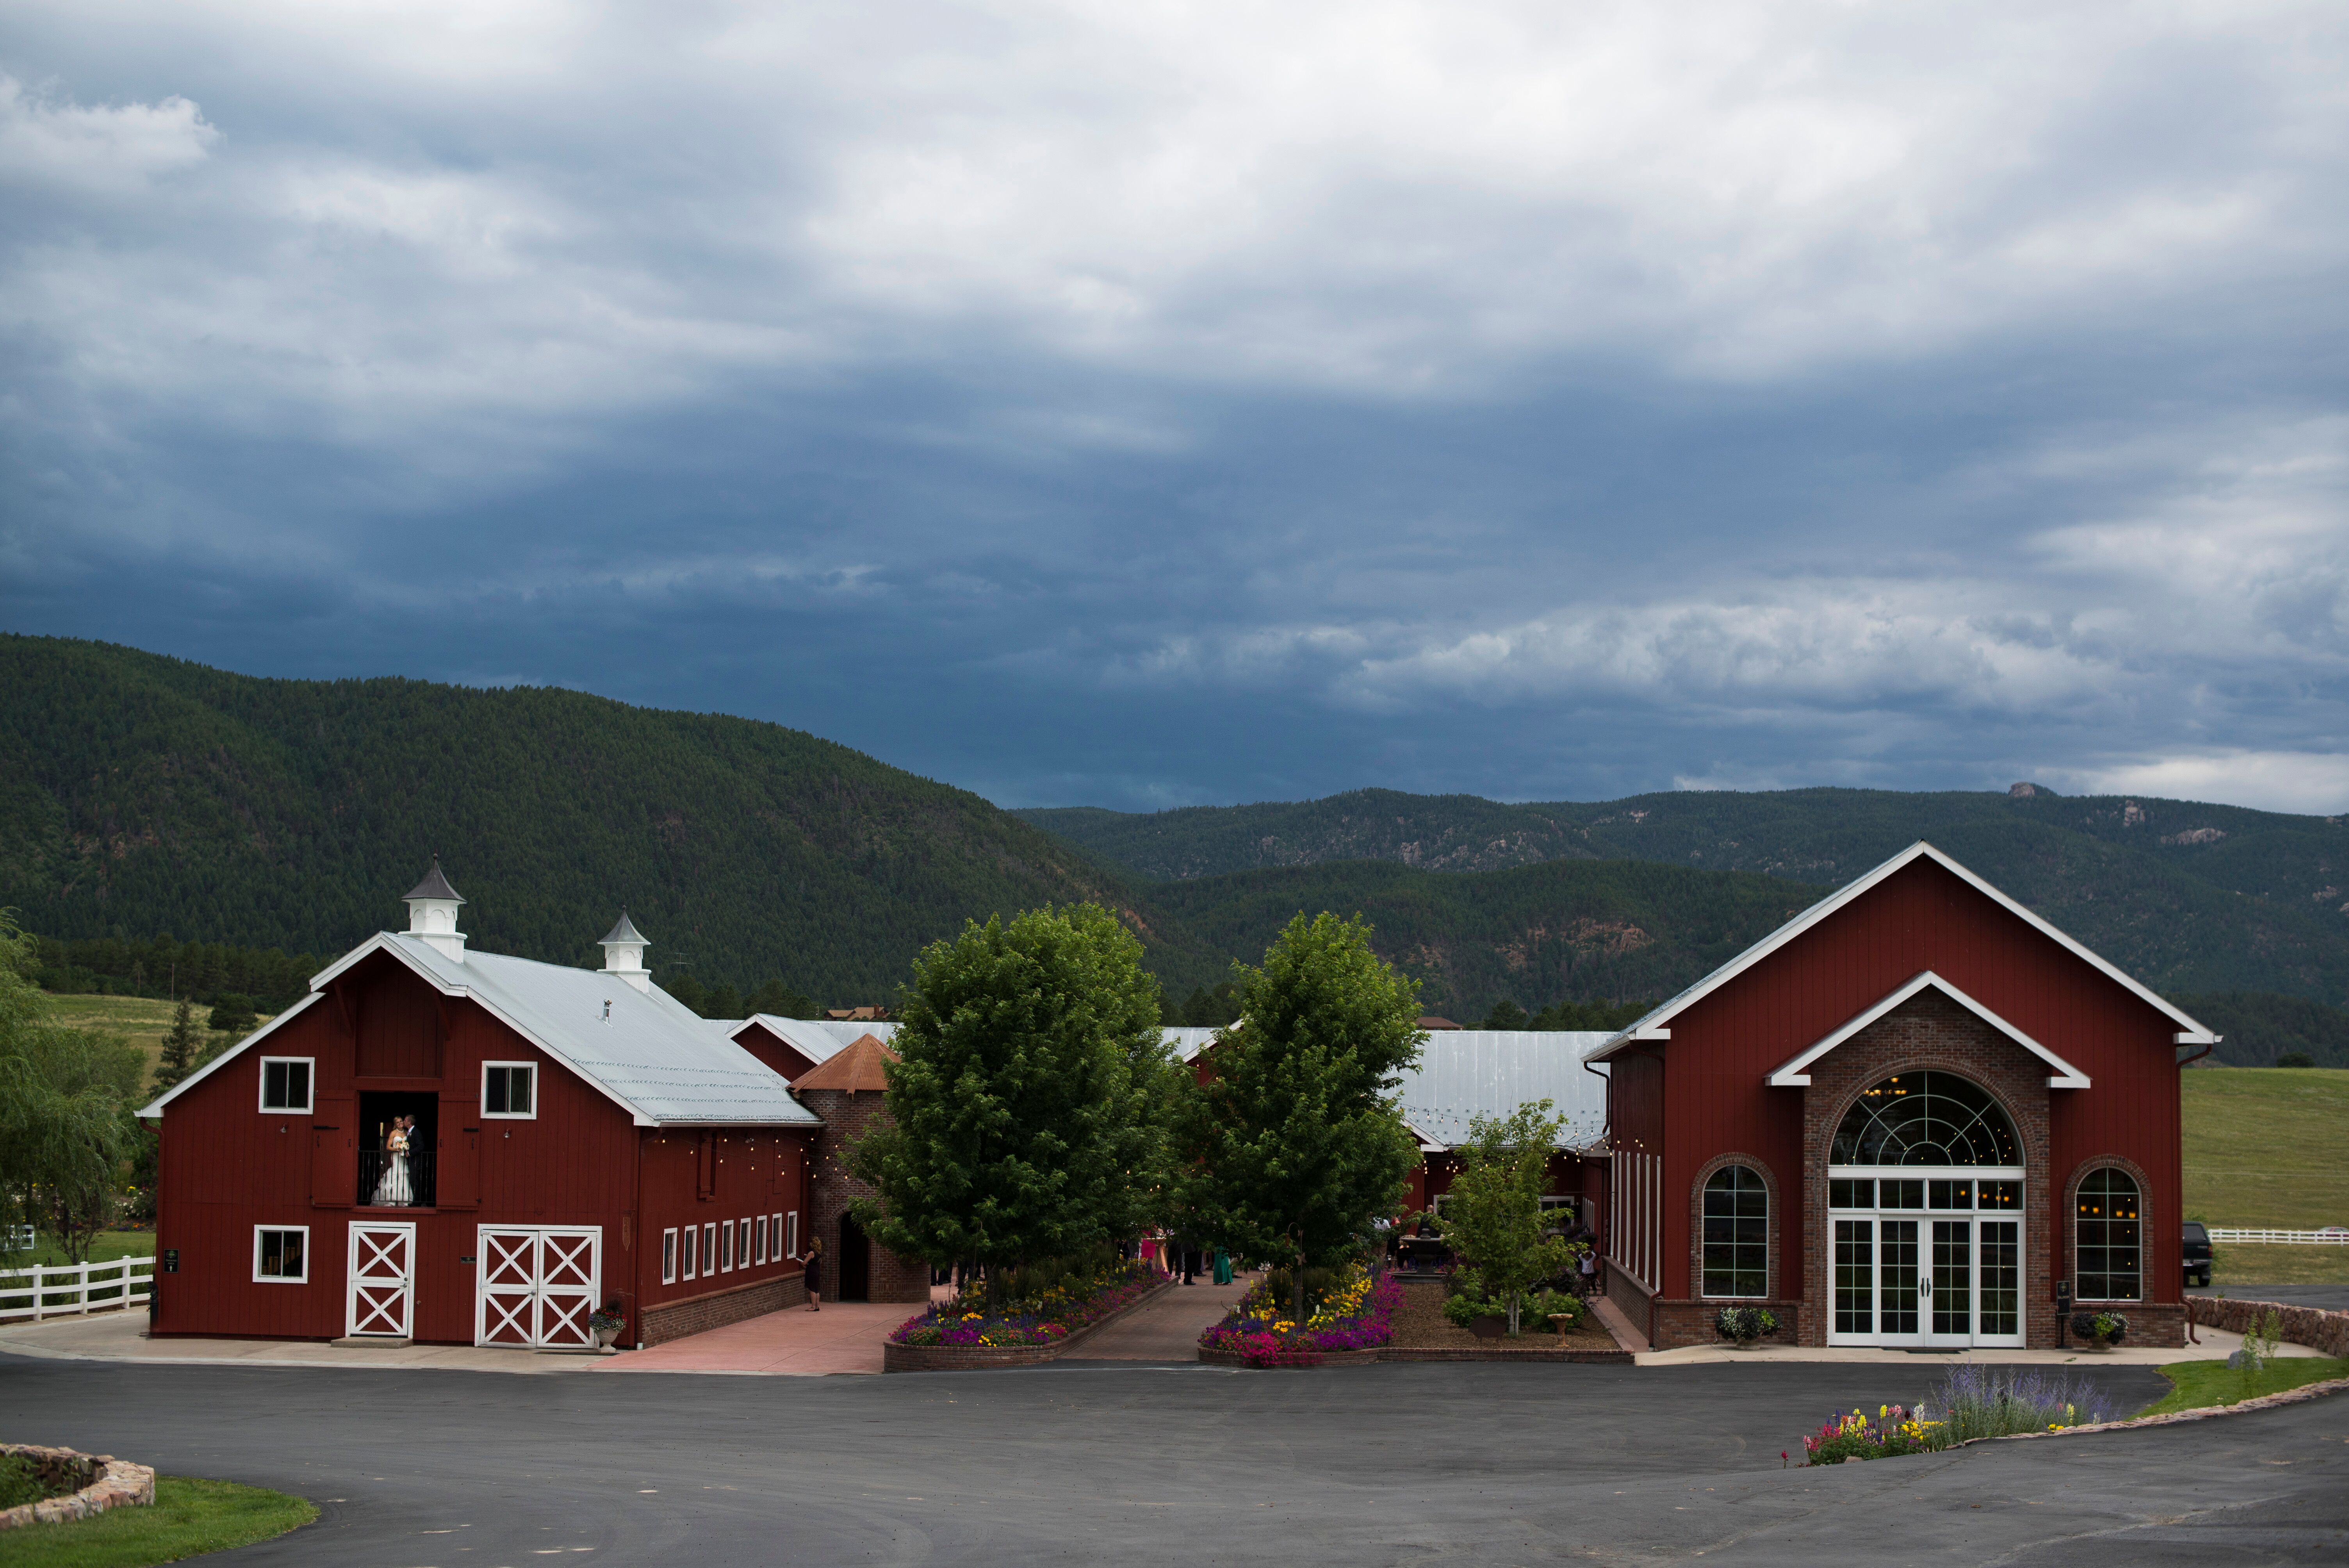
[(382, 1279), (538, 1285)]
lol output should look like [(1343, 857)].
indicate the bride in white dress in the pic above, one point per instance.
[(392, 1191)]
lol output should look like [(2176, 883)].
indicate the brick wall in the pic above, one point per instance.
[(696, 1315), (846, 1116)]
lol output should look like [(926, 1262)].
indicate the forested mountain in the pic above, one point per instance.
[(2188, 897), (142, 794)]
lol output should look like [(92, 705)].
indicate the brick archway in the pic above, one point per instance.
[(1774, 1285)]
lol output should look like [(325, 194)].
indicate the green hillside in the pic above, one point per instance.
[(2188, 897), (142, 794)]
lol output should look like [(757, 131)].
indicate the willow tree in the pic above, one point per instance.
[(67, 1098), (1295, 1143), (1028, 1105)]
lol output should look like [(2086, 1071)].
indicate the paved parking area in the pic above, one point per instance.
[(1107, 1463)]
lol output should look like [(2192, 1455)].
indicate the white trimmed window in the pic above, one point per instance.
[(726, 1247), (281, 1255), (791, 1233), (690, 1252), (742, 1229), (285, 1083), (761, 1258), (510, 1089), (668, 1256), (709, 1250)]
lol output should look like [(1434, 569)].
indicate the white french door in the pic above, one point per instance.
[(1925, 1262), (382, 1300), (538, 1285)]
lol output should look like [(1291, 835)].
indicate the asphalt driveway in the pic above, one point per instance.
[(1178, 1465)]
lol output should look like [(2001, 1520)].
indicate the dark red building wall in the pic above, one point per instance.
[(705, 1177), (1920, 918)]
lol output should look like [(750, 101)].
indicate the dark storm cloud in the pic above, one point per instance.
[(1140, 408)]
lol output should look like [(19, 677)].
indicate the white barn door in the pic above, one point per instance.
[(538, 1283), (382, 1279)]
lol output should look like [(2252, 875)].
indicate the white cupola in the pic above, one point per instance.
[(624, 955), (432, 913)]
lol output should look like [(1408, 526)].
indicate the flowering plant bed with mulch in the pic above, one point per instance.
[(1354, 1314), (1046, 1318), (1421, 1325)]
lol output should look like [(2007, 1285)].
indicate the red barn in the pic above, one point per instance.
[(573, 1137), (1913, 1116)]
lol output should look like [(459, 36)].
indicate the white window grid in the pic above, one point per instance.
[(259, 1235), (668, 1256), (531, 1069), (310, 1067)]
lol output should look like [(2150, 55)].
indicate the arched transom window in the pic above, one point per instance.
[(1736, 1233), (1926, 1118), (2109, 1237)]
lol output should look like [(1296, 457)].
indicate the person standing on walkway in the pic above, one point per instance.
[(1223, 1265), (812, 1273)]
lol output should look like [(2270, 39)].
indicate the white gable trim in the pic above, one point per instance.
[(1796, 1073), (154, 1108), (2190, 1032)]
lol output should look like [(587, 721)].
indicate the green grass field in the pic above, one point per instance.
[(135, 1018), (2195, 1385), (2268, 1147), (188, 1517)]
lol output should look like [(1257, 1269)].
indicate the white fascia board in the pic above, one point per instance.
[(2191, 1032), (1796, 1073), (154, 1108), (381, 941)]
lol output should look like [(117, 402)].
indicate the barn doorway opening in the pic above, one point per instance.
[(390, 1177), (855, 1261)]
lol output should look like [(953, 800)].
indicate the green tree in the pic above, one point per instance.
[(1507, 1014), (778, 998), (184, 1048), (1295, 1143), (67, 1098), (1027, 1107), (1493, 1215), (233, 1014)]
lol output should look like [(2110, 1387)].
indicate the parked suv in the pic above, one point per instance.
[(2197, 1254)]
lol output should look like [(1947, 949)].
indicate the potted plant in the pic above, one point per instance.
[(605, 1322), (2099, 1330), (1742, 1325)]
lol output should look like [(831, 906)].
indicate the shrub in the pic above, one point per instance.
[(1997, 1401), (21, 1483), (1745, 1324), (2103, 1326)]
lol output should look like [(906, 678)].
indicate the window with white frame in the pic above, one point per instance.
[(668, 1256), (761, 1258), (285, 1083), (709, 1250), (281, 1255), (689, 1254), (742, 1229), (791, 1235), (1736, 1240), (726, 1247), (2111, 1263), (510, 1089)]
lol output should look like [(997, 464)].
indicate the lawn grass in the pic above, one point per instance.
[(2198, 1385), (188, 1517), (139, 1019), (104, 1248), (2269, 1147)]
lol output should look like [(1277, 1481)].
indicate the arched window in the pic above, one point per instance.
[(2109, 1237), (1736, 1233), (1926, 1118)]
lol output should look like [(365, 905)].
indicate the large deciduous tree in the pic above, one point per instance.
[(1493, 1215), (1295, 1144), (1027, 1106), (67, 1098)]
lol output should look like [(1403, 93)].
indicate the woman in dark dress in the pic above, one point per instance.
[(814, 1263)]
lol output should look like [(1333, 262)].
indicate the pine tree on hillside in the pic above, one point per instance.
[(184, 1048)]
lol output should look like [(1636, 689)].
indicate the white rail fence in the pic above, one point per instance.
[(2336, 1237), (69, 1290)]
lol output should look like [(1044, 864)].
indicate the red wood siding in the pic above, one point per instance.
[(1920, 918), (757, 1172)]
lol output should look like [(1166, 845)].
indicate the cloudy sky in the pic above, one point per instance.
[(1136, 404)]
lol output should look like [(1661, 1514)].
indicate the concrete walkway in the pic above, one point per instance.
[(846, 1337), (1166, 1327)]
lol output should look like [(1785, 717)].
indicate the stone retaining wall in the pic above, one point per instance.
[(104, 1482), (700, 1313), (2309, 1326)]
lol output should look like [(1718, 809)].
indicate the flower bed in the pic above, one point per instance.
[(1356, 1315), (1976, 1402), (1044, 1321)]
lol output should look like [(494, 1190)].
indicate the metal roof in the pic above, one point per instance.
[(624, 931), (434, 885), (1467, 1073), (646, 1051), (1650, 1026), (818, 1039)]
